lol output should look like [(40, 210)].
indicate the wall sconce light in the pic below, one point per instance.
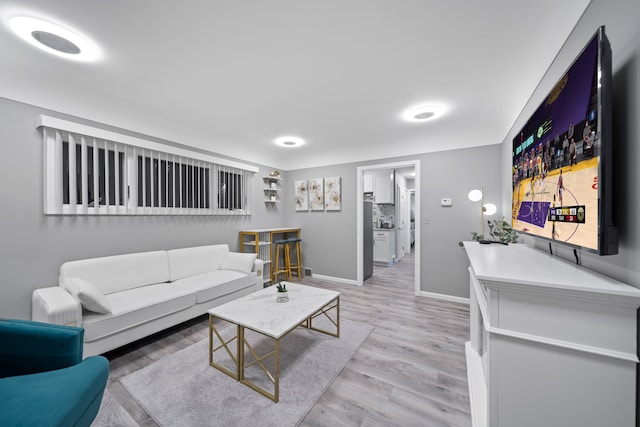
[(485, 208)]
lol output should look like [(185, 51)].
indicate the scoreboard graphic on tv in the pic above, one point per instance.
[(574, 214)]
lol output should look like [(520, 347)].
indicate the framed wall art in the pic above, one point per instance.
[(332, 196), (316, 194), (302, 195)]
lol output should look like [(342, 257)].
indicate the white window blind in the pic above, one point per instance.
[(97, 172)]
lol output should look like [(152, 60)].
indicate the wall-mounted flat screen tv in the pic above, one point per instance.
[(562, 158)]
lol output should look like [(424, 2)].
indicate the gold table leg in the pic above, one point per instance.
[(325, 311), (235, 374), (273, 377), (240, 361)]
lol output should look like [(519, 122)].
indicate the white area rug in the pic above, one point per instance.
[(183, 390)]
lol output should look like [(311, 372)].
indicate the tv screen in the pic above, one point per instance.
[(562, 158)]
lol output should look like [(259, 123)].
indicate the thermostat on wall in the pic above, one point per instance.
[(445, 202)]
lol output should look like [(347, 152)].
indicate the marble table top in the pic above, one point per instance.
[(260, 311)]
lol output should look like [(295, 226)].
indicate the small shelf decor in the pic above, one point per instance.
[(282, 293), (272, 188)]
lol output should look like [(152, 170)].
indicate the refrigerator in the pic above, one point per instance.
[(367, 223)]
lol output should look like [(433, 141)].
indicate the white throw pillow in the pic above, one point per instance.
[(89, 296), (238, 262)]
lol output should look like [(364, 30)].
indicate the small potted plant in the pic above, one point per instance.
[(499, 231), (283, 295)]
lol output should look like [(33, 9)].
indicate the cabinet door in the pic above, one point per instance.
[(391, 246), (368, 183), (380, 246), (384, 184)]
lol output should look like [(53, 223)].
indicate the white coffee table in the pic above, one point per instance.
[(261, 313)]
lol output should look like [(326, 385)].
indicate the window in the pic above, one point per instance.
[(115, 174), (100, 168), (230, 190), (169, 184)]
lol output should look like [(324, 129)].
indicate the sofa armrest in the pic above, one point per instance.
[(55, 305), (257, 268), (28, 347)]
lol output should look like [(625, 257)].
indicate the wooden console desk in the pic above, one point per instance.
[(551, 343), (260, 241)]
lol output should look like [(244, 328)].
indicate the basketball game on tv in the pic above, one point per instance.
[(557, 159)]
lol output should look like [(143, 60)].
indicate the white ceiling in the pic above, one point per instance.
[(230, 76)]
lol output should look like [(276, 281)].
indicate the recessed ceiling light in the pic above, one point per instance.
[(289, 141), (423, 113), (54, 39)]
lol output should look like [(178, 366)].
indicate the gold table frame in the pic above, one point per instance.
[(239, 359)]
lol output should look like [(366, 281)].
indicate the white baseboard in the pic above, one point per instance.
[(422, 293), (335, 279), (444, 297)]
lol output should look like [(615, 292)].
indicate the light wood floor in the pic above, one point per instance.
[(410, 371)]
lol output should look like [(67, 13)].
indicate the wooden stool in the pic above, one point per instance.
[(286, 261), (297, 267)]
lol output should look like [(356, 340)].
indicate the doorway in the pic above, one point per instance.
[(404, 166)]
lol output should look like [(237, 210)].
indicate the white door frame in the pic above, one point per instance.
[(359, 212), (403, 240)]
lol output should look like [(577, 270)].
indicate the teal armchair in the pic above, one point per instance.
[(43, 379)]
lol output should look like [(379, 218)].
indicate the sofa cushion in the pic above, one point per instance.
[(214, 284), (239, 262), (187, 262), (133, 307), (88, 295), (120, 272)]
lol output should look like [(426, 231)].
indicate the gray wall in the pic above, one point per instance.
[(329, 238), (620, 18), (452, 174), (33, 246)]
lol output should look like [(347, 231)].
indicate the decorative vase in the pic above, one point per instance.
[(282, 296)]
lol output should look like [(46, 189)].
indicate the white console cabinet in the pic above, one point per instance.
[(551, 343)]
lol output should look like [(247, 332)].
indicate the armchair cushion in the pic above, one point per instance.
[(43, 379), (63, 397)]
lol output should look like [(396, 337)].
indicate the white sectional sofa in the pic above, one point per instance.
[(119, 299)]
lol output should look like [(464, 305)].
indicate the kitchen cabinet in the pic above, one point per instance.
[(368, 182), (384, 245), (383, 187)]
